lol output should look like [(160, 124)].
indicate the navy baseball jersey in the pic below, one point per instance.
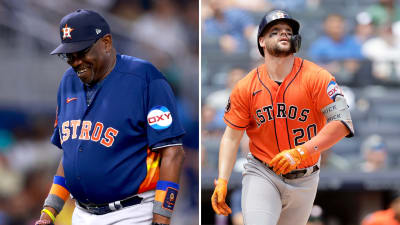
[(109, 143)]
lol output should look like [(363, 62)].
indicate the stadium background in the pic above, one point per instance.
[(163, 32), (359, 175)]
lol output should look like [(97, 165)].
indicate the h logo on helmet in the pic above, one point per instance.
[(67, 32), (278, 15)]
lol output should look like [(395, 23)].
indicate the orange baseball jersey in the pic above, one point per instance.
[(279, 117), (383, 217)]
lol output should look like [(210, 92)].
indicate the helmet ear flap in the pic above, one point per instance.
[(295, 42)]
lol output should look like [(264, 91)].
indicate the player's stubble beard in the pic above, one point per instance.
[(278, 51)]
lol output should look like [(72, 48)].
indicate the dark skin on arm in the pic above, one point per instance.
[(170, 169)]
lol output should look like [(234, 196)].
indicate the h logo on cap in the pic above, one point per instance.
[(88, 26), (67, 31)]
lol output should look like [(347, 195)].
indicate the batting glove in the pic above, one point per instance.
[(218, 197), (288, 160)]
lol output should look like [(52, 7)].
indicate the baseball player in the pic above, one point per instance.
[(390, 216), (292, 110), (119, 131)]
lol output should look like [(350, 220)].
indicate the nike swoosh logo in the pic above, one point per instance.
[(71, 99), (256, 92)]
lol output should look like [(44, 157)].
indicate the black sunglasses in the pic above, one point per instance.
[(71, 57)]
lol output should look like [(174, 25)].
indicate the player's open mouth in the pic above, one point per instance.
[(284, 40), (80, 72)]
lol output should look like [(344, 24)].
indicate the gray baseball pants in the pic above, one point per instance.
[(269, 199)]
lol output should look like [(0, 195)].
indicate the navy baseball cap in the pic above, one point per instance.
[(79, 30)]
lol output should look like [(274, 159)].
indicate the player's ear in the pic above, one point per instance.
[(261, 40), (107, 40)]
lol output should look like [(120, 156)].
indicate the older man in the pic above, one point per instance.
[(119, 131)]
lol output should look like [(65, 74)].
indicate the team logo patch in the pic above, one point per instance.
[(170, 198), (159, 118), (333, 90), (228, 106), (71, 99), (67, 32)]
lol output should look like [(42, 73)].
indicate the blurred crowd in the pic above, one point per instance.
[(357, 41), (164, 32), (388, 216)]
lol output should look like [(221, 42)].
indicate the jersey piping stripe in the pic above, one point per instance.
[(273, 111), (287, 125), (233, 124), (164, 146)]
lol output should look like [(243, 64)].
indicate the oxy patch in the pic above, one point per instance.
[(159, 118), (333, 90)]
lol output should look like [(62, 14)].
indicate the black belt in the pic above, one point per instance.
[(293, 174), (100, 209)]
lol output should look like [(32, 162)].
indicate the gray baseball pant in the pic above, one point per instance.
[(269, 199)]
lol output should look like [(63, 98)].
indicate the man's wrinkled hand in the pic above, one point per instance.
[(288, 160), (218, 198)]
